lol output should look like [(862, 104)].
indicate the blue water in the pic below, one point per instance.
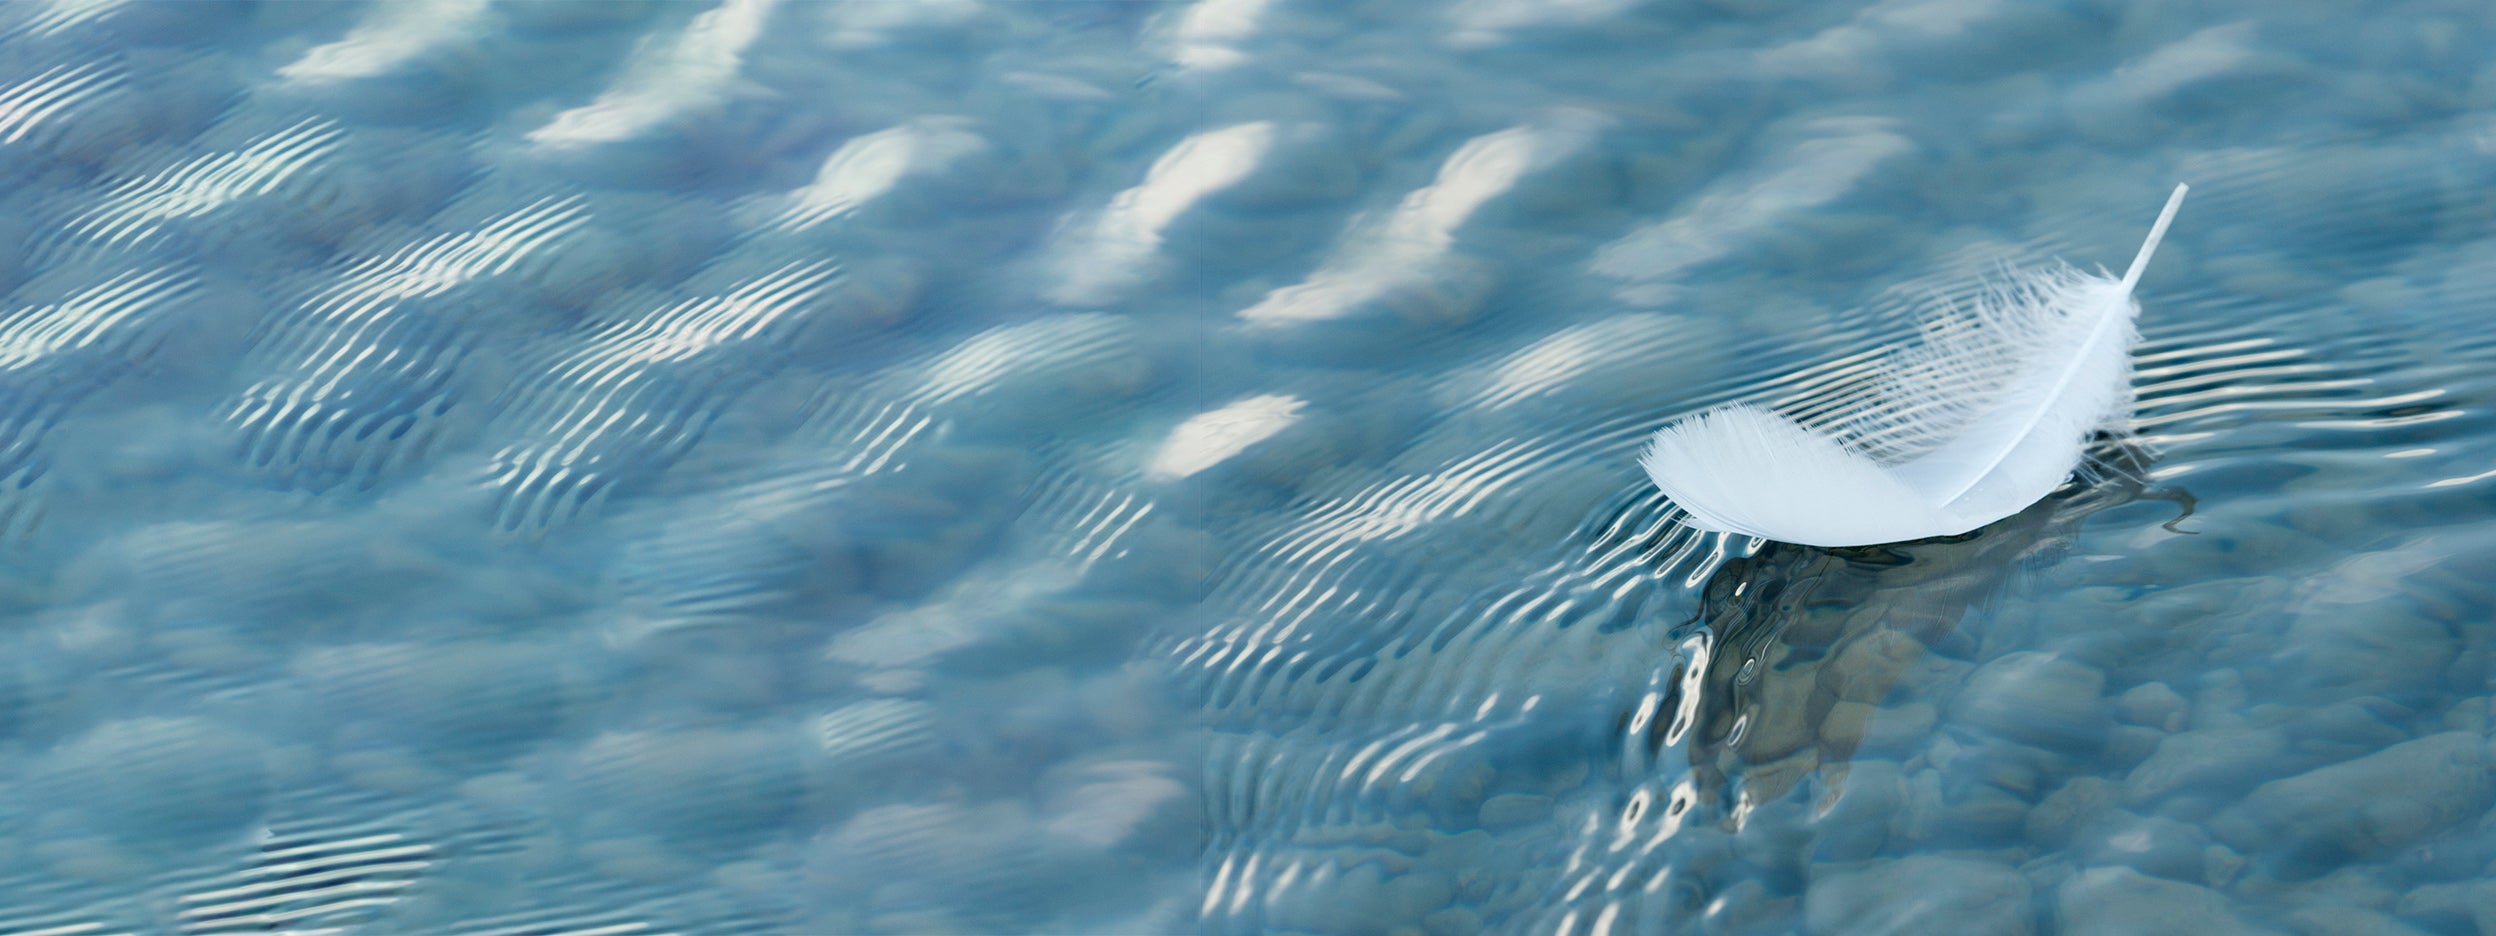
[(986, 467)]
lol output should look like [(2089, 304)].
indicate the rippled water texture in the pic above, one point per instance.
[(955, 466)]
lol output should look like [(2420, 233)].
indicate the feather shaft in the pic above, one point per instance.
[(2157, 232)]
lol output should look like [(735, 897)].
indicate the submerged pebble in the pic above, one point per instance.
[(2036, 698), (2124, 900), (2413, 790), (156, 783), (2206, 761), (1917, 895)]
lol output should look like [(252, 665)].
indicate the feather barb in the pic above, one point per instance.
[(1992, 413)]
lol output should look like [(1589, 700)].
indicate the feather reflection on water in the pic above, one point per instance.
[(1777, 681)]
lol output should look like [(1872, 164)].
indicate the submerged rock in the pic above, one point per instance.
[(1856, 825), (2121, 900), (2347, 921), (2450, 907), (2397, 796), (2155, 704), (2038, 699), (2161, 847), (161, 781), (2362, 649), (1922, 894), (2211, 761), (2080, 804)]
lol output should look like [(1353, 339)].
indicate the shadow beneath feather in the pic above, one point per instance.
[(1796, 647)]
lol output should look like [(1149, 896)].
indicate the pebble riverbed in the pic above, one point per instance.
[(493, 467)]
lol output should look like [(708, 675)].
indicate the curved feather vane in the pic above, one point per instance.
[(1987, 416)]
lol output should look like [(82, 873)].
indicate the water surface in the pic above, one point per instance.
[(956, 466)]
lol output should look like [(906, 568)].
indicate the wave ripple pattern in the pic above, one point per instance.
[(740, 466)]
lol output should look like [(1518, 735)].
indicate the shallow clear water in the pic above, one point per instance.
[(936, 466)]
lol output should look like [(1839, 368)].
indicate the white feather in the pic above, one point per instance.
[(1990, 414)]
